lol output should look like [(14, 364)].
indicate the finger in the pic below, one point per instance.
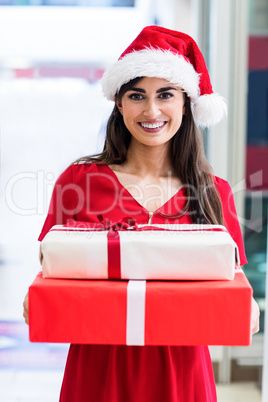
[(255, 327), (25, 309), (255, 317), (26, 319)]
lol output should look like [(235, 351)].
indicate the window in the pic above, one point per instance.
[(75, 3)]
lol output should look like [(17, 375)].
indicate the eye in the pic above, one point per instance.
[(135, 96), (166, 95)]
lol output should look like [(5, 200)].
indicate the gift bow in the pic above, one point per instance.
[(113, 243), (126, 223)]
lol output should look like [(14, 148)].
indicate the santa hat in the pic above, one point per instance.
[(174, 56)]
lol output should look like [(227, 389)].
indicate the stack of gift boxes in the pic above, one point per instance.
[(140, 285)]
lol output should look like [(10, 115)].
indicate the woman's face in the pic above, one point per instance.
[(152, 111)]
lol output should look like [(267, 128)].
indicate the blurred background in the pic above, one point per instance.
[(52, 55)]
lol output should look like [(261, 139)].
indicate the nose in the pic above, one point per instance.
[(151, 109)]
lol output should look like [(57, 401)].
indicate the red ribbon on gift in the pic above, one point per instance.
[(113, 243)]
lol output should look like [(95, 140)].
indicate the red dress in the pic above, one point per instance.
[(111, 373)]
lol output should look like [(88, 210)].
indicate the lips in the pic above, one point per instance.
[(152, 126)]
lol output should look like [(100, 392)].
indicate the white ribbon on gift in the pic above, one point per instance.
[(136, 290)]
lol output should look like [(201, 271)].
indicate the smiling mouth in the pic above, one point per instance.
[(153, 125)]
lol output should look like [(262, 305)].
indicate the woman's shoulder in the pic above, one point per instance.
[(77, 170), (226, 194), (222, 185), (225, 190)]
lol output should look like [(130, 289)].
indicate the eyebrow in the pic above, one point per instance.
[(166, 89), (141, 90)]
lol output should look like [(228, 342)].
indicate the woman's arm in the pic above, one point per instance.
[(26, 308), (26, 298), (255, 317)]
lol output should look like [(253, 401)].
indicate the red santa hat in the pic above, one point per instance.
[(174, 56)]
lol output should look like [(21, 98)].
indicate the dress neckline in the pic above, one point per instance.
[(135, 200)]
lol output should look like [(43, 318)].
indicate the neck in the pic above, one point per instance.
[(144, 161)]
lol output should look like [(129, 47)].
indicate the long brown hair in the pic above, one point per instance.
[(188, 158)]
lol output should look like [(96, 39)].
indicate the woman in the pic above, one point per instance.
[(152, 168)]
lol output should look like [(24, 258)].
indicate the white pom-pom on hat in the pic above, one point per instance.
[(209, 109)]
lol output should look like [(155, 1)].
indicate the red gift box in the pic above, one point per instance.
[(167, 313)]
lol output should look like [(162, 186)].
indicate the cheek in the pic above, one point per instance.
[(181, 112), (177, 113), (128, 121), (130, 115), (177, 121)]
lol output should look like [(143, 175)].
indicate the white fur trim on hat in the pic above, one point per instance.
[(209, 109), (151, 62)]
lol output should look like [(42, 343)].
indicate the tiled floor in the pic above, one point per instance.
[(29, 372), (239, 392), (44, 386), (30, 386)]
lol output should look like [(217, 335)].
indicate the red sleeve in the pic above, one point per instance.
[(230, 216), (63, 202)]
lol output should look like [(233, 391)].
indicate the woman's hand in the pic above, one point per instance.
[(26, 308), (255, 317)]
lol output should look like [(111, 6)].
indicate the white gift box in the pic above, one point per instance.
[(157, 252)]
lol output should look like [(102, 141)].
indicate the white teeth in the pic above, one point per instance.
[(155, 125)]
